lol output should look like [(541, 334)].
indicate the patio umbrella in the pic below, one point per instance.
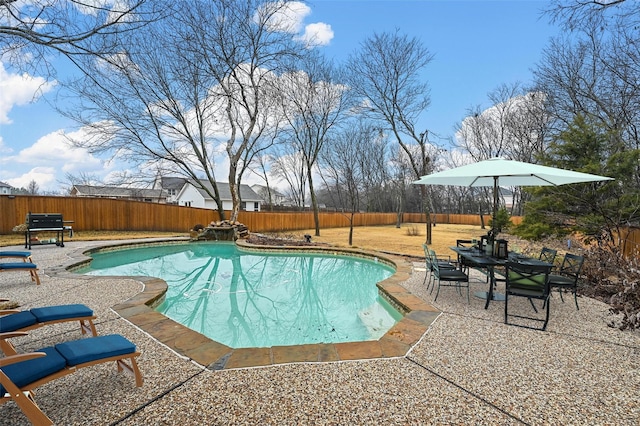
[(500, 172)]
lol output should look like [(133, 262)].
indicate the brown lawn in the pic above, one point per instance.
[(407, 239)]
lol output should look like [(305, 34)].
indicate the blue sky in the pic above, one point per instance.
[(477, 45)]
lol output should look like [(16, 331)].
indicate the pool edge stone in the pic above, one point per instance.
[(397, 342)]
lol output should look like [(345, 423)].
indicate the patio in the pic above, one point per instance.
[(469, 368)]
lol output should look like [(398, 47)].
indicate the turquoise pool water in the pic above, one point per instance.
[(248, 299)]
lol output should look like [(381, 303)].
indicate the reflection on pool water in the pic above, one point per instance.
[(249, 299)]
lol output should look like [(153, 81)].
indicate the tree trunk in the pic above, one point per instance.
[(314, 202), (235, 194), (351, 229)]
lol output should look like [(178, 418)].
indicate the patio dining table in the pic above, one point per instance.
[(478, 259)]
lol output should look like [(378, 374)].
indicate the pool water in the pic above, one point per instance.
[(248, 299)]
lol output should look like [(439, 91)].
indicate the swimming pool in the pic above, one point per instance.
[(249, 299)]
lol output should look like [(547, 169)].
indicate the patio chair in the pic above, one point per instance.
[(567, 276), (463, 265), (22, 320), (449, 276), (24, 255), (530, 281), (32, 268), (444, 264), (20, 374), (547, 255)]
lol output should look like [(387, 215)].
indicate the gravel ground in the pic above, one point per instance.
[(469, 368)]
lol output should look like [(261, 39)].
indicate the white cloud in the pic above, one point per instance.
[(4, 150), (318, 34), (49, 160), (16, 89), (289, 16), (45, 177), (55, 149)]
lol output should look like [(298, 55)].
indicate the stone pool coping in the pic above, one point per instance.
[(139, 310)]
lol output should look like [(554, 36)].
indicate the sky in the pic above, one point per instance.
[(477, 46)]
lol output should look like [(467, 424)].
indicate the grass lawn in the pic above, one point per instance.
[(407, 239)]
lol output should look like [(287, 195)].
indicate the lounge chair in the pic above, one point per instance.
[(19, 320), (21, 266), (24, 255), (20, 374)]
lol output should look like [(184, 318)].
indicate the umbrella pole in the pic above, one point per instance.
[(495, 204)]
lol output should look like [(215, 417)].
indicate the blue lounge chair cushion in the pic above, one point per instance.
[(52, 313), (15, 253), (94, 348), (26, 372), (13, 322), (18, 265)]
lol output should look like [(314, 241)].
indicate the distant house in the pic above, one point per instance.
[(171, 185), (277, 198), (115, 192), (192, 196), (5, 189), (507, 196)]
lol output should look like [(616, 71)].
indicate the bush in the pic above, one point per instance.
[(413, 231), (615, 280), (503, 221)]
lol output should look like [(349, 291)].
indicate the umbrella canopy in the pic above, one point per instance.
[(507, 173), (500, 172)]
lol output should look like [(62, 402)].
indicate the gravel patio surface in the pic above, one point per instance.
[(468, 368)]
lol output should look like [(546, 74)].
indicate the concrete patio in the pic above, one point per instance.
[(468, 367)]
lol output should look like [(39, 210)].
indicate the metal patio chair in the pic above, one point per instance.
[(567, 276), (452, 277), (529, 281)]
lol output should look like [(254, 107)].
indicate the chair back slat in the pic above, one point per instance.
[(435, 267), (427, 257), (572, 265), (529, 277), (548, 255)]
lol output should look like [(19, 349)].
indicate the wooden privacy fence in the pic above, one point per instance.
[(629, 242), (459, 219), (101, 214)]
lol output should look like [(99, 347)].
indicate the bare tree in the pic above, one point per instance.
[(29, 31), (289, 166), (513, 127), (188, 89), (312, 104), (385, 73), (344, 167), (33, 188), (574, 14)]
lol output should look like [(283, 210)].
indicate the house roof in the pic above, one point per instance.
[(246, 193), (4, 185), (172, 182), (114, 191)]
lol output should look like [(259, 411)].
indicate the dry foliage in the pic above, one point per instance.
[(615, 280)]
